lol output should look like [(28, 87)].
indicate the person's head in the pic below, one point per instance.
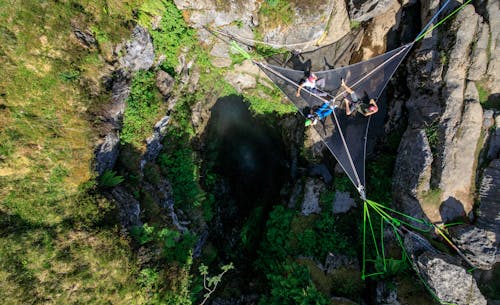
[(312, 77), (373, 106)]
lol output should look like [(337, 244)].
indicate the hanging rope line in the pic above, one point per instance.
[(422, 35)]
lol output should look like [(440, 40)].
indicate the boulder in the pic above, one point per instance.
[(450, 282), (386, 294), (312, 191), (139, 51), (165, 83), (362, 10), (342, 202), (243, 76)]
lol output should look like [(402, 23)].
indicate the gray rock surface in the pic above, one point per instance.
[(478, 245), (128, 207), (153, 143), (342, 202), (412, 171), (164, 82), (479, 58), (107, 153), (459, 155), (494, 141), (494, 64), (139, 51), (450, 282), (385, 295), (489, 196), (244, 76), (362, 10), (312, 190)]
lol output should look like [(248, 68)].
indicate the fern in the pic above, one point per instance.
[(109, 179)]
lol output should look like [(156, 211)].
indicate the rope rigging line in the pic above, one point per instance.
[(358, 185), (422, 35), (277, 45)]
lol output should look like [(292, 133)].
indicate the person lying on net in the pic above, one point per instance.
[(311, 83), (321, 113), (357, 104)]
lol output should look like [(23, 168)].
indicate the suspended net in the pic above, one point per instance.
[(344, 135)]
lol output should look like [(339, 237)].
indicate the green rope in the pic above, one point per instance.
[(442, 21), (235, 47)]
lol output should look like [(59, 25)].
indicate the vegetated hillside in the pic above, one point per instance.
[(59, 240), (165, 223)]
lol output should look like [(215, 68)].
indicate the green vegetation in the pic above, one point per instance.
[(142, 110), (109, 179), (355, 24), (289, 234), (432, 198), (276, 12)]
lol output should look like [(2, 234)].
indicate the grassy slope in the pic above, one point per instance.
[(52, 246)]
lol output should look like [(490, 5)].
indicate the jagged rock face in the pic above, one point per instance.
[(153, 143), (165, 83), (494, 64), (450, 282), (458, 163), (489, 194), (128, 207), (494, 143), (386, 295), (480, 54), (107, 153), (139, 51), (412, 171)]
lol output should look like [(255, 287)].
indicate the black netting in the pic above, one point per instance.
[(344, 135)]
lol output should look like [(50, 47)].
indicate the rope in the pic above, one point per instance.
[(277, 45), (424, 30), (422, 35)]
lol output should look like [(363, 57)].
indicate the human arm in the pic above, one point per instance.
[(298, 90), (346, 88), (347, 108)]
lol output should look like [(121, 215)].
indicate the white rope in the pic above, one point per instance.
[(277, 45)]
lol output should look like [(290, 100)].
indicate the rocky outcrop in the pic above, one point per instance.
[(312, 191), (164, 83), (244, 76), (139, 54), (139, 51), (386, 294)]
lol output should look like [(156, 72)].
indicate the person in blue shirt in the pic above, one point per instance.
[(321, 113)]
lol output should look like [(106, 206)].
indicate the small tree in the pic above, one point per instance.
[(210, 282)]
